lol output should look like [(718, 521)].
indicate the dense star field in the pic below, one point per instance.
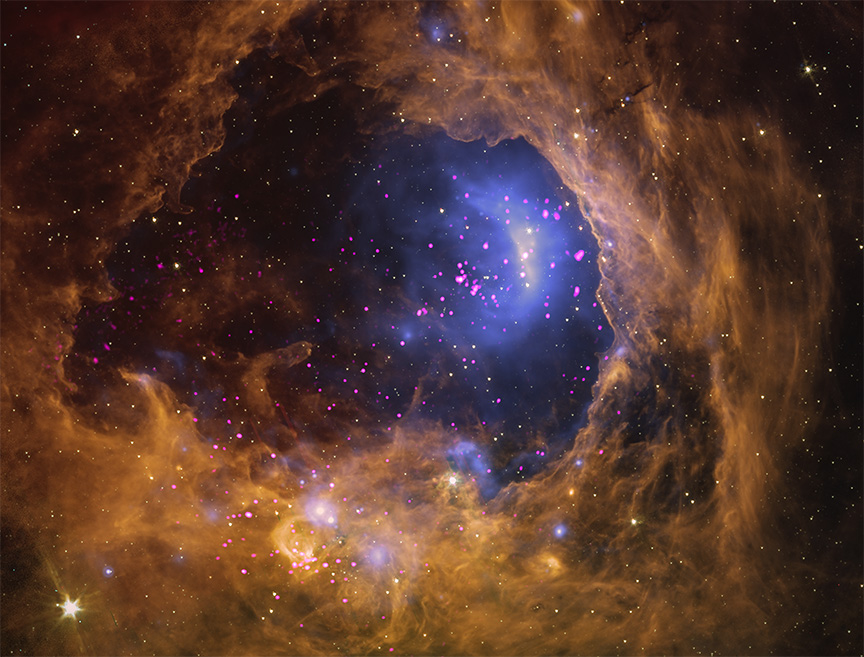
[(519, 328)]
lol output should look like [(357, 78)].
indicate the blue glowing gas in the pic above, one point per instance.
[(378, 556), (321, 513), (484, 249), (472, 268)]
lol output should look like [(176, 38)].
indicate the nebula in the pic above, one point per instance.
[(431, 328)]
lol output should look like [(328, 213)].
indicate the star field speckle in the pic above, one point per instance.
[(431, 328)]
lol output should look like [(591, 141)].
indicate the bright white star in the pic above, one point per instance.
[(70, 608)]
